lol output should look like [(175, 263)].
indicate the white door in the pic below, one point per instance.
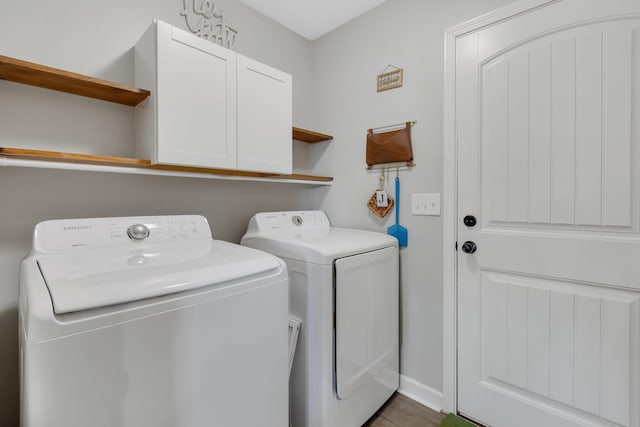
[(264, 118), (196, 93), (548, 134)]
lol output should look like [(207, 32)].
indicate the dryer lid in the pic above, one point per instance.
[(96, 278)]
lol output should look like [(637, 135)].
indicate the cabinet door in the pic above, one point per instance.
[(196, 115), (264, 118)]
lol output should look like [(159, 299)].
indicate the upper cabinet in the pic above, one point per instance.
[(210, 107)]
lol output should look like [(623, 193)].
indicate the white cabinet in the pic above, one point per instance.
[(210, 107), (264, 117)]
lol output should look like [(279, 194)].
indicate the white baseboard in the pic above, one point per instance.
[(425, 395)]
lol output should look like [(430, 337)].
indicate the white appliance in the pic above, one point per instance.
[(344, 288), (148, 321)]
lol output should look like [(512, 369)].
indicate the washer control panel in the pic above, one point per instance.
[(68, 234)]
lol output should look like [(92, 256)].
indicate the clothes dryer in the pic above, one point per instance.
[(343, 285), (149, 322)]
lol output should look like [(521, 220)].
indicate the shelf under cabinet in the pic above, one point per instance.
[(45, 159), (19, 71)]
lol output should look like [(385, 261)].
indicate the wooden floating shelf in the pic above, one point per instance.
[(309, 136), (18, 71), (123, 162), (87, 159)]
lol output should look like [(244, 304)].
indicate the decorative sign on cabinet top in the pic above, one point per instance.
[(206, 20)]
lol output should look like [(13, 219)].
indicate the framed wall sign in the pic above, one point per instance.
[(389, 79)]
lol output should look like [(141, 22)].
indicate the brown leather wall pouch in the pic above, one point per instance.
[(389, 147)]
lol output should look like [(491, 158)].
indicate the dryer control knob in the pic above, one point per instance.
[(138, 232)]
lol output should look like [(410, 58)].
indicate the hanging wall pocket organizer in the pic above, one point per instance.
[(386, 146)]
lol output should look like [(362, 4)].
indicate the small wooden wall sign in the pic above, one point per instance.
[(390, 79)]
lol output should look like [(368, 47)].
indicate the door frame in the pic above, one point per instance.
[(450, 190)]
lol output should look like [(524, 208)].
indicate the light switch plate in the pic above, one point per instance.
[(425, 204)]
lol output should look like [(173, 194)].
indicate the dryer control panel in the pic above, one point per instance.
[(291, 222), (63, 235)]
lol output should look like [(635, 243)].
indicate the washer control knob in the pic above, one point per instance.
[(297, 220), (138, 232)]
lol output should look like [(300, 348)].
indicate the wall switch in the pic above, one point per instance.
[(425, 204)]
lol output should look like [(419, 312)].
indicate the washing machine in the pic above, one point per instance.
[(343, 287), (148, 321)]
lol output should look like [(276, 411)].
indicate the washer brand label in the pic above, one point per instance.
[(76, 227)]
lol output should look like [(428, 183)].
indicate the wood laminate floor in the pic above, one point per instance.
[(400, 411)]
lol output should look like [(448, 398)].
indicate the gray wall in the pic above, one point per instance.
[(408, 34), (96, 38)]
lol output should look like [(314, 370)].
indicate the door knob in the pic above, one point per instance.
[(469, 247)]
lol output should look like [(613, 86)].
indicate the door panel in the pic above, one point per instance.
[(548, 153), (367, 322), (563, 110), (559, 341), (557, 129)]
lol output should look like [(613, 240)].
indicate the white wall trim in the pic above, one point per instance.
[(449, 214), (450, 190), (425, 395), (504, 13)]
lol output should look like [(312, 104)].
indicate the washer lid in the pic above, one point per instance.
[(97, 278), (320, 246)]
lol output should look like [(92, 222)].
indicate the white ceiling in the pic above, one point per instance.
[(312, 18)]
